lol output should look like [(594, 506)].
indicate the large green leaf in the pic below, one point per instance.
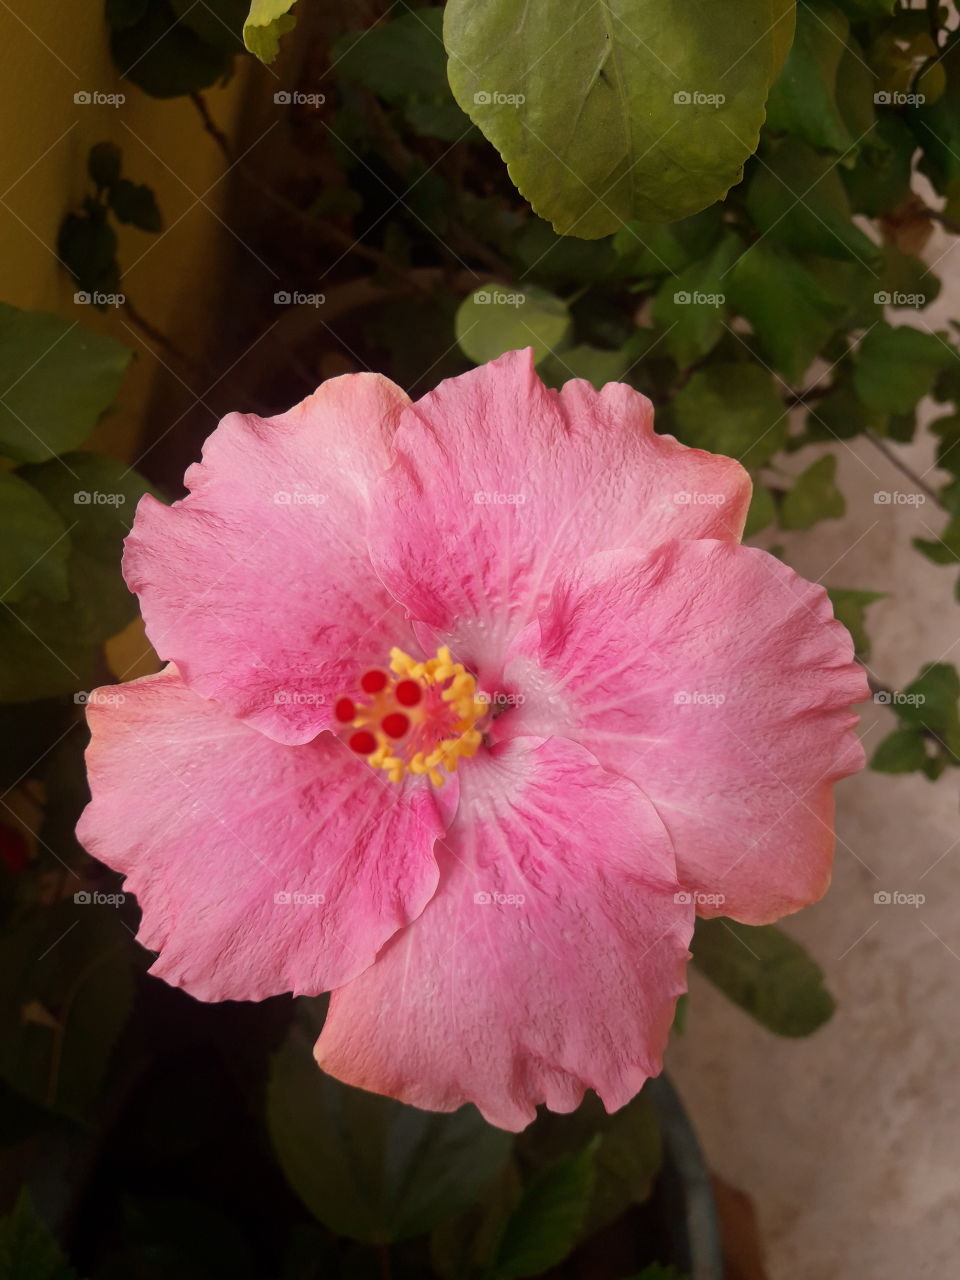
[(56, 379), (796, 197), (896, 367), (903, 751), (266, 22), (790, 337), (97, 497), (732, 409), (546, 1223), (494, 319), (366, 1166), (814, 496), (613, 111), (34, 545), (803, 101), (765, 972), (691, 308)]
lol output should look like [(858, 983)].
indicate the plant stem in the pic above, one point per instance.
[(903, 467)]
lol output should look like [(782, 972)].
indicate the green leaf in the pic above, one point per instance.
[(627, 1154), (732, 409), (945, 548), (690, 307), (865, 10), (930, 702), (217, 22), (789, 337), (465, 1245), (544, 256), (34, 546), (136, 204), (879, 180), (841, 414), (897, 367), (651, 249), (267, 21), (936, 127), (765, 972), (796, 197), (496, 318), (400, 59), (164, 57), (370, 1168), (903, 751), (97, 497), (546, 1223), (103, 164), (814, 496), (657, 1272), (599, 110), (87, 247), (60, 379), (28, 1250), (849, 607), (68, 994), (762, 512), (124, 13), (803, 101), (592, 363)]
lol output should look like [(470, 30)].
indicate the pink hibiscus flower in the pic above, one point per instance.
[(472, 704)]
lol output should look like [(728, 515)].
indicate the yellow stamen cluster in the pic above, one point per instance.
[(461, 694)]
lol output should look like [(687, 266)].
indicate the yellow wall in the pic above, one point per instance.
[(50, 52)]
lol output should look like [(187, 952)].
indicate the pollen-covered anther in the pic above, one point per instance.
[(417, 718)]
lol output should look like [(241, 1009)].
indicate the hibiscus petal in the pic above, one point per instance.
[(718, 680), (259, 868), (500, 483), (508, 1003), (258, 584)]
